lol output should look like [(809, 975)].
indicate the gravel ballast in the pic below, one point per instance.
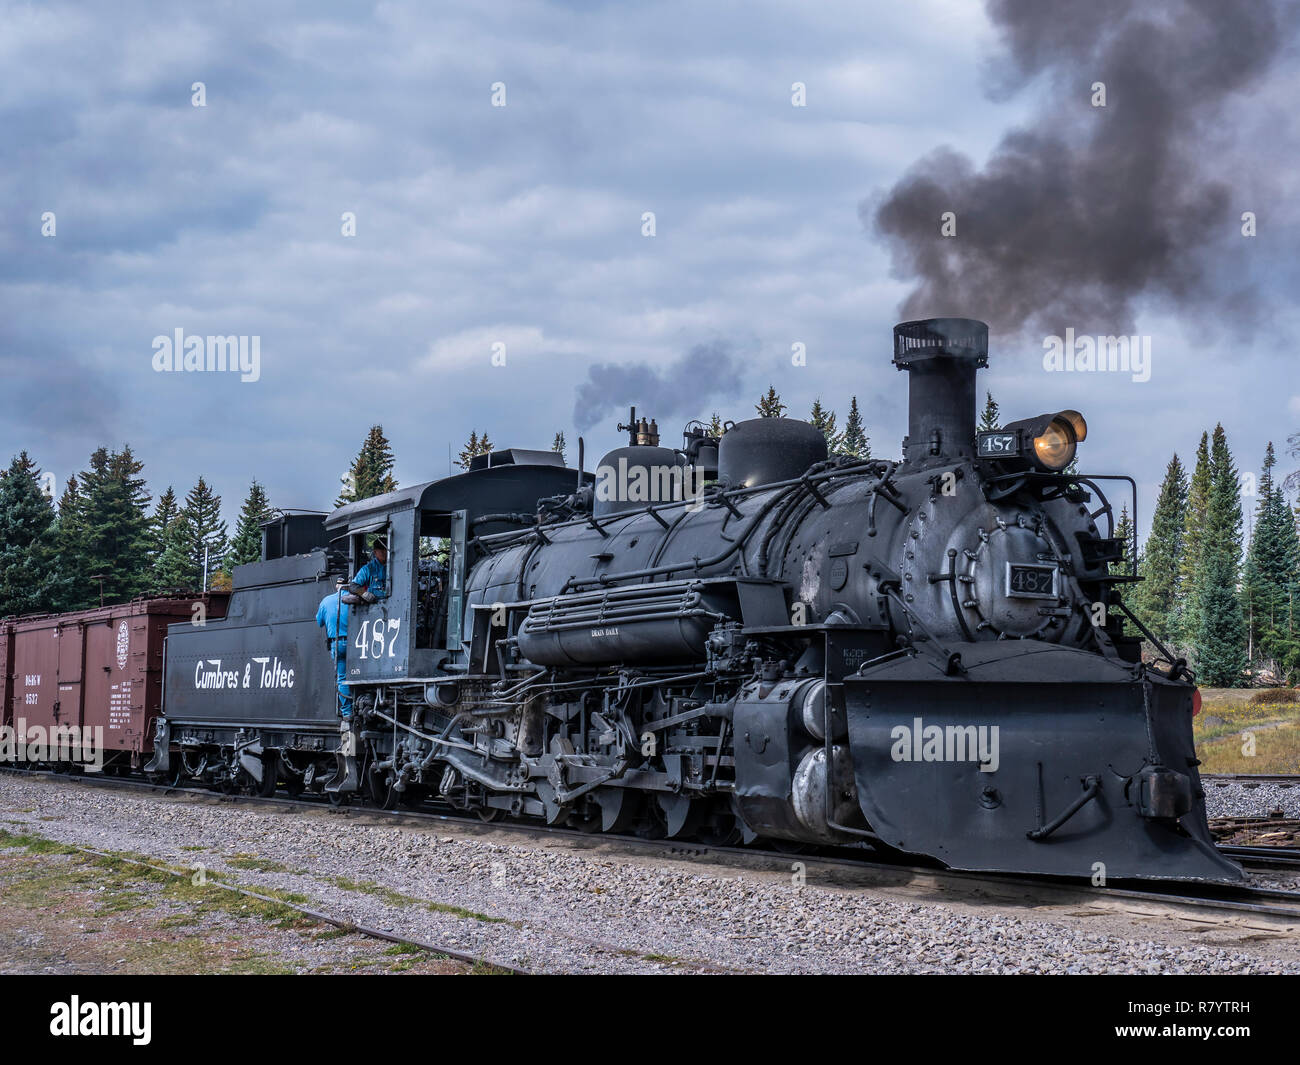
[(1235, 798), (551, 906)]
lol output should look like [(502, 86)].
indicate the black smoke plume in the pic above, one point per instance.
[(679, 388), (1090, 211)]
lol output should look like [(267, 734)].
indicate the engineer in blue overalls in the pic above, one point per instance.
[(332, 616), (371, 582)]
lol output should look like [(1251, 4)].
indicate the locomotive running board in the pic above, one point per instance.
[(1036, 759)]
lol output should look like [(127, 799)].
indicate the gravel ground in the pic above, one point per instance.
[(1231, 798), (551, 906), (67, 913)]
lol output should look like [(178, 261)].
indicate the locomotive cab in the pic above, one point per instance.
[(417, 630)]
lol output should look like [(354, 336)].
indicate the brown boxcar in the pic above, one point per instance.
[(6, 675), (100, 668)]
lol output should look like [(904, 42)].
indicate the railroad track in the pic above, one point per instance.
[(1249, 839), (1256, 833), (338, 922), (1265, 857), (343, 923), (1258, 908)]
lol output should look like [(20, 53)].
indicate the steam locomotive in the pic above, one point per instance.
[(741, 638)]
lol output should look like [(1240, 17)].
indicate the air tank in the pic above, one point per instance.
[(766, 450)]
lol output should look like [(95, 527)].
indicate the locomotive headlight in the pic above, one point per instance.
[(1055, 446), (1077, 423), (1048, 442)]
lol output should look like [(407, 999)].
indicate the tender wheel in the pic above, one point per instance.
[(721, 830), (653, 824), (587, 819), (413, 797), (270, 774), (381, 791)]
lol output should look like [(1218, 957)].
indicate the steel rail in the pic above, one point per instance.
[(1239, 901)]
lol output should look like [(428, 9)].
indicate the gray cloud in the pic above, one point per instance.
[(522, 225)]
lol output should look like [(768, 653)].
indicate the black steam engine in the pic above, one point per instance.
[(742, 638)]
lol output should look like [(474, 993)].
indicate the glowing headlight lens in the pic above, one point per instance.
[(1077, 423), (1055, 447)]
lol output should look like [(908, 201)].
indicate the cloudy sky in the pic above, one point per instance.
[(523, 225)]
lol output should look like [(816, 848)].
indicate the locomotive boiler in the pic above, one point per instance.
[(745, 638)]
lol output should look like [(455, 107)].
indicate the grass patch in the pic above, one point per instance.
[(1227, 717), (34, 844), (113, 912), (396, 898), (460, 911), (111, 885), (257, 865), (1275, 696), (1276, 750), (369, 887)]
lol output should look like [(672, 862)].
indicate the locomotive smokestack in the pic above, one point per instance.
[(941, 355)]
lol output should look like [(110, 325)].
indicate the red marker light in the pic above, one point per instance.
[(1196, 701)]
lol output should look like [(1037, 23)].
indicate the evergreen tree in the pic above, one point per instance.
[(202, 531), (115, 525), (371, 472), (1155, 601), (854, 443), (468, 451), (989, 417), (72, 590), (558, 444), (175, 572), (166, 512), (824, 420), (27, 555), (247, 545), (1220, 628), (770, 405), (1198, 501), (476, 445), (1125, 532), (715, 426), (1271, 577)]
